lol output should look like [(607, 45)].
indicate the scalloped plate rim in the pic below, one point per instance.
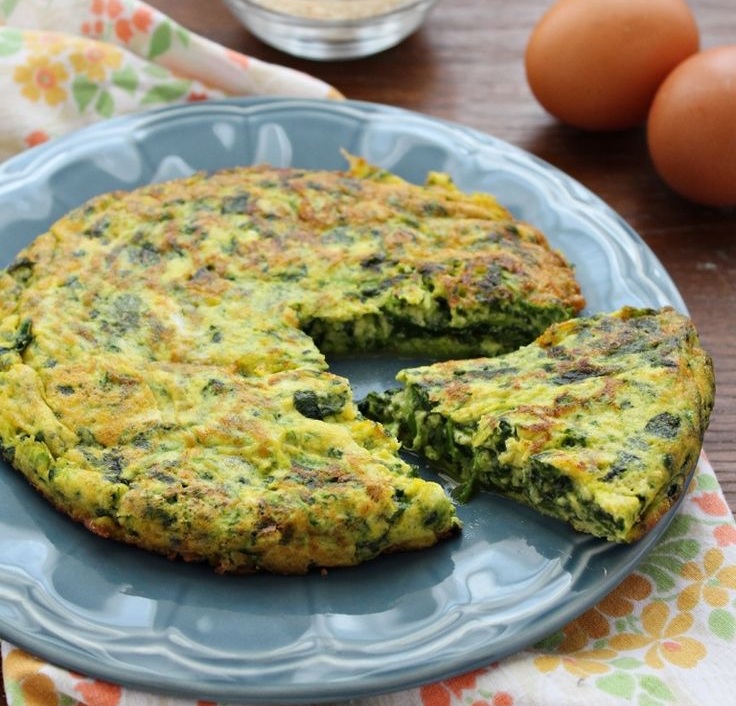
[(352, 680)]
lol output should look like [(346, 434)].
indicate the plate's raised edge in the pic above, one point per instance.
[(43, 159)]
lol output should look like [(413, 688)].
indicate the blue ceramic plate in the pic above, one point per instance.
[(513, 577)]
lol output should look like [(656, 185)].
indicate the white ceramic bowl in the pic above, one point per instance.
[(331, 29)]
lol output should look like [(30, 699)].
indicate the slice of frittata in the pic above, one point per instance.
[(599, 422)]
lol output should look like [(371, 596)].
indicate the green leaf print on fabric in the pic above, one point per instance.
[(11, 41), (643, 690), (618, 684), (551, 642), (626, 663), (14, 693), (723, 624), (655, 687), (160, 41), (665, 565), (705, 482), (166, 92), (125, 79), (183, 36), (84, 92), (105, 105), (7, 6), (156, 71)]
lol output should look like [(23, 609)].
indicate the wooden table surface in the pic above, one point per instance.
[(466, 65)]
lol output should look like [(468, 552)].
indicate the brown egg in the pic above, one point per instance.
[(691, 131), (596, 64)]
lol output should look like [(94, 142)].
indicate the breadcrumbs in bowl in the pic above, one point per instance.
[(331, 29)]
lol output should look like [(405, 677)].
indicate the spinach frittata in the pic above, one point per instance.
[(598, 422), (162, 369)]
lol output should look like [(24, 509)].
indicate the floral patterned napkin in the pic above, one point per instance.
[(666, 636), (68, 63)]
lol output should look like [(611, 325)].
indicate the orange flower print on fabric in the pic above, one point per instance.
[(94, 60), (596, 622), (93, 29), (115, 8), (237, 58), (725, 535), (443, 693), (498, 698), (452, 691), (712, 582), (124, 31), (140, 22), (36, 137), (42, 79), (99, 693), (664, 638), (712, 504), (23, 670), (107, 8), (620, 603), (142, 19), (578, 662), (124, 26), (592, 624)]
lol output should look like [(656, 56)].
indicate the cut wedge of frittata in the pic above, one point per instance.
[(599, 422)]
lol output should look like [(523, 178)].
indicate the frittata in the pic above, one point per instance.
[(162, 360), (598, 422)]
